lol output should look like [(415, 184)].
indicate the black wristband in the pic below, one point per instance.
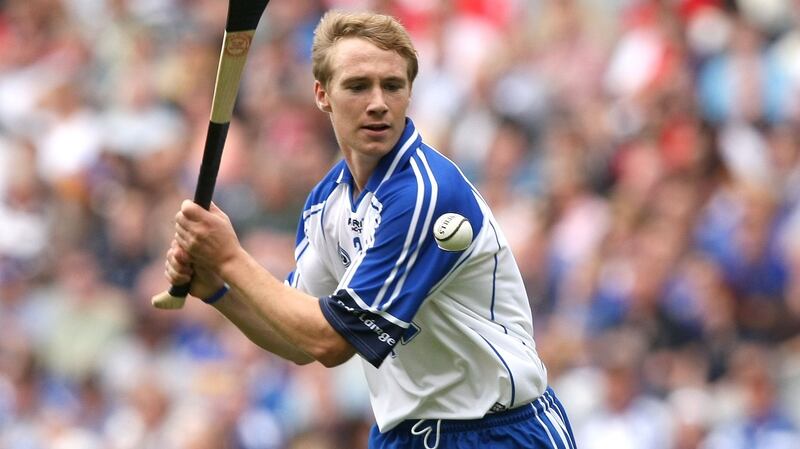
[(217, 295)]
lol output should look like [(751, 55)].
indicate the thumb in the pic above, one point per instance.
[(217, 211), (190, 209)]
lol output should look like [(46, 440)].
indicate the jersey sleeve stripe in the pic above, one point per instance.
[(494, 288), (382, 313), (412, 229), (422, 234), (494, 278), (313, 210), (494, 274), (322, 222)]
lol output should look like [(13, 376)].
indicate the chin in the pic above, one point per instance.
[(378, 150), (379, 146)]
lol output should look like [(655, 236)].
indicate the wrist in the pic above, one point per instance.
[(217, 295), (232, 265)]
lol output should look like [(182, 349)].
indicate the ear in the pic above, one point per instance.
[(321, 97)]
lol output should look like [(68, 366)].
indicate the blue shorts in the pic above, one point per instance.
[(542, 424)]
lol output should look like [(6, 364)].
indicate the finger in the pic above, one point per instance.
[(184, 230), (179, 218), (181, 256), (179, 261), (189, 213), (175, 277), (184, 242), (187, 228)]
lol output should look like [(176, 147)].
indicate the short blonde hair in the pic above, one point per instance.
[(383, 31)]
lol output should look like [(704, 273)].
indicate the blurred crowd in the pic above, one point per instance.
[(642, 157)]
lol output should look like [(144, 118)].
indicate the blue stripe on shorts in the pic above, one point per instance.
[(541, 424)]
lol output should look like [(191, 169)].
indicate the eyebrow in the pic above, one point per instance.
[(356, 79)]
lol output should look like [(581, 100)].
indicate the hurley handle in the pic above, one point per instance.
[(243, 18)]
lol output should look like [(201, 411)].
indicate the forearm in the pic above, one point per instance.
[(288, 313), (249, 321)]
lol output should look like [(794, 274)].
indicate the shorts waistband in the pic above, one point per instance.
[(514, 415)]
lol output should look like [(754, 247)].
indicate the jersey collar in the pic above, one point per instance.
[(392, 162)]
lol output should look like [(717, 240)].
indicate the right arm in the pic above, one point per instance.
[(204, 283), (243, 316)]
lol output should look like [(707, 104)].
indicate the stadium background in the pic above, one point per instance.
[(641, 156)]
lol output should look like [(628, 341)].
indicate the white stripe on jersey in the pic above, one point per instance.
[(398, 157), (313, 210), (409, 235), (431, 206), (383, 314)]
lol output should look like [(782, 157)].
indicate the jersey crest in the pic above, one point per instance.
[(343, 256)]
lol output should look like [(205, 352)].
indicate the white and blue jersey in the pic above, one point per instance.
[(443, 335)]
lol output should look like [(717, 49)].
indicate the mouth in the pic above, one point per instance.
[(376, 127)]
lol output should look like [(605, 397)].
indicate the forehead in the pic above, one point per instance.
[(357, 57)]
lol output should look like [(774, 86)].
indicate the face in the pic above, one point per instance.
[(366, 97)]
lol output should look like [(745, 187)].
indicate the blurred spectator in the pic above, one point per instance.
[(744, 82), (629, 418), (760, 422)]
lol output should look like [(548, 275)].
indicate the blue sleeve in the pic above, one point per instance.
[(385, 287)]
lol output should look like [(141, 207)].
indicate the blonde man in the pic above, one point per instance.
[(445, 336)]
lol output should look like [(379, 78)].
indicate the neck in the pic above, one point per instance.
[(361, 168)]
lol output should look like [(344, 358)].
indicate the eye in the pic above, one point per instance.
[(393, 86), (357, 87)]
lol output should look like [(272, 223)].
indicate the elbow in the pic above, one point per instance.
[(330, 360), (304, 361), (336, 352), (296, 357)]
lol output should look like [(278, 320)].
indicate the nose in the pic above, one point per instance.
[(377, 102)]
